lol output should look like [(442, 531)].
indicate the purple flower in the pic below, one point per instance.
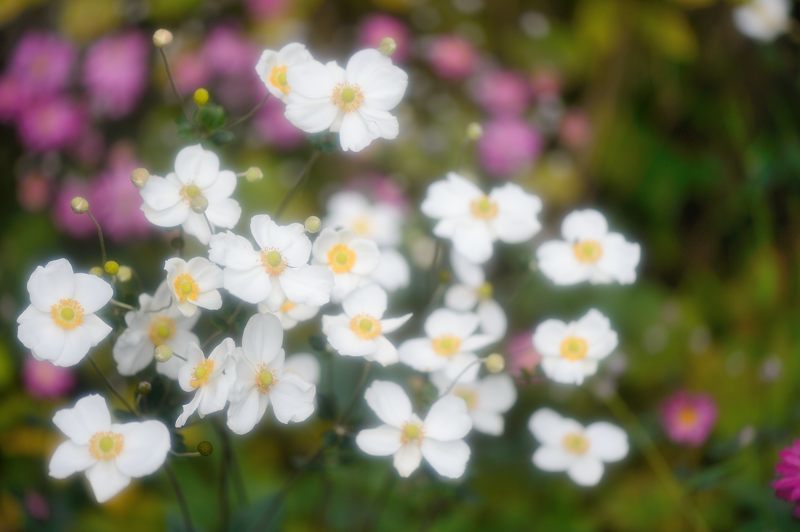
[(51, 124), (13, 98), (375, 28), (273, 128), (65, 220), (688, 417), (43, 380), (452, 57), (507, 146), (42, 63), (502, 92), (228, 53), (115, 73), (787, 486)]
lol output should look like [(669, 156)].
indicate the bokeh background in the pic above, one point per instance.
[(657, 112)]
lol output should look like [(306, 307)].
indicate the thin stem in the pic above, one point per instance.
[(173, 84), (120, 304), (250, 113), (356, 394), (99, 235), (458, 377), (173, 480), (111, 387), (297, 184), (187, 454)]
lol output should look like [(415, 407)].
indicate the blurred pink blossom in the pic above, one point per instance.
[(688, 417), (575, 131), (546, 85), (522, 356), (230, 58), (265, 8), (382, 189), (115, 73), (13, 98), (787, 485), (507, 146), (42, 63), (33, 191), (452, 57), (65, 220), (375, 27), (51, 124), (89, 148), (190, 71), (273, 128), (43, 380), (502, 92)]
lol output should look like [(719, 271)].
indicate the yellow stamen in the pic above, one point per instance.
[(162, 329), (190, 192), (341, 258), (264, 379), (446, 345), (574, 348), (347, 97), (67, 314), (287, 306), (277, 78), (201, 374), (186, 288), (468, 395), (483, 208), (361, 226), (687, 417), (588, 251), (273, 262), (575, 443), (411, 432), (106, 446), (365, 327)]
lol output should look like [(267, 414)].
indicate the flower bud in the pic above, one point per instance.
[(140, 177), (200, 97), (111, 267), (162, 37), (163, 353), (313, 224), (205, 448), (253, 174), (144, 388), (495, 363), (79, 204), (199, 204), (124, 274), (387, 46), (474, 131), (96, 271)]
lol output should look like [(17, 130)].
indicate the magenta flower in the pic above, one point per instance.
[(65, 220), (507, 146), (272, 127), (115, 73), (375, 28), (13, 98), (190, 71), (227, 52), (502, 92), (522, 356), (43, 380), (452, 57), (33, 191), (575, 131), (42, 63), (51, 124), (688, 417), (787, 486)]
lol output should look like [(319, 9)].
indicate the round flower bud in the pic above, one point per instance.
[(124, 274), (495, 363), (144, 388), (387, 46), (162, 38), (200, 97), (199, 204), (253, 174), (96, 271), (111, 267), (163, 353), (313, 224), (79, 204), (474, 131), (140, 177), (205, 448)]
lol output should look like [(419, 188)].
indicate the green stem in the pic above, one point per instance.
[(173, 84), (173, 480), (111, 387), (120, 304), (99, 235), (298, 182), (250, 113)]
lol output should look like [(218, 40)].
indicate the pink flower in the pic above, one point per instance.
[(575, 131), (507, 146), (522, 357), (43, 380), (688, 417), (265, 8), (33, 191), (190, 71), (376, 27), (51, 124), (65, 220), (115, 73), (452, 57), (382, 189), (502, 92), (271, 126), (42, 63), (227, 52), (546, 85), (13, 98), (787, 486)]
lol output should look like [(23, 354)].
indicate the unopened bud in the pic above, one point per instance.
[(96, 270), (199, 204), (387, 46), (163, 353), (485, 291), (313, 224), (111, 267), (495, 363), (162, 37), (124, 274), (474, 131), (140, 177), (205, 448), (253, 174), (144, 388), (200, 97), (79, 204)]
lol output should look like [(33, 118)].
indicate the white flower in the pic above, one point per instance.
[(60, 324), (589, 252), (474, 220), (487, 399), (450, 345), (304, 365), (360, 330), (211, 379), (474, 294), (157, 322), (288, 312), (355, 101), (272, 67), (109, 453), (196, 196), (278, 270), (380, 222), (392, 272), (351, 259), (439, 438), (261, 379), (763, 20), (194, 284), (570, 351), (568, 446)]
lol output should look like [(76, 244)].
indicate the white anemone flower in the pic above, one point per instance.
[(194, 284), (487, 399), (393, 271), (449, 345), (110, 454), (474, 294), (157, 322), (352, 210), (589, 252), (439, 438), (763, 20), (273, 67), (474, 220), (355, 101), (211, 379), (580, 451), (277, 270), (352, 259), (196, 196), (288, 312), (360, 330), (60, 324), (571, 351), (262, 379)]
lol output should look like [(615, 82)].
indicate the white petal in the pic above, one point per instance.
[(516, 214), (145, 447), (445, 321), (389, 325), (449, 458), (304, 365), (389, 402), (370, 300), (557, 262), (496, 393), (197, 226), (160, 194), (49, 283), (194, 165), (407, 459), (169, 217), (461, 297), (252, 286), (548, 336), (311, 285), (552, 458), (38, 333), (447, 419), (88, 416), (418, 354), (608, 442), (586, 471), (69, 458), (380, 441), (292, 399), (222, 187), (231, 250), (244, 413), (584, 225), (262, 338), (472, 239), (549, 427), (367, 256), (224, 212), (106, 480)]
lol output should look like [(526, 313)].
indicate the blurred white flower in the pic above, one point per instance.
[(109, 453), (474, 294), (278, 270), (763, 20), (273, 67), (157, 322), (352, 259), (60, 324), (360, 331), (288, 312), (439, 438), (570, 351), (355, 101), (380, 222), (487, 399), (262, 378), (196, 196), (589, 252), (194, 284), (568, 446), (211, 379), (449, 346), (304, 365), (392, 272), (474, 220)]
